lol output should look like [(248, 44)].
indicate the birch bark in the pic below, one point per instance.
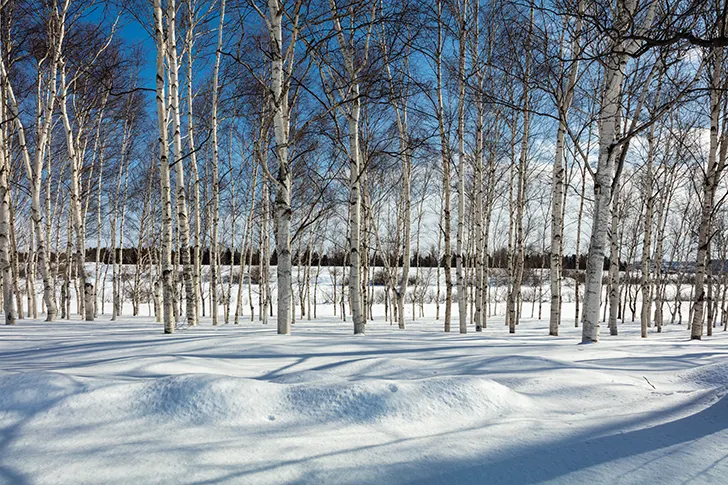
[(5, 251), (165, 188), (615, 66), (558, 192), (716, 164), (460, 242)]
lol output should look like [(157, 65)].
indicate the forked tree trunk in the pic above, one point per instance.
[(614, 71)]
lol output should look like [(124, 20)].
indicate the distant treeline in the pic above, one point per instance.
[(131, 256)]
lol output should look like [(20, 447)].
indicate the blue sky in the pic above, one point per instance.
[(130, 30)]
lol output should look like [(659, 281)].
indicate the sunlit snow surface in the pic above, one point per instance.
[(121, 403)]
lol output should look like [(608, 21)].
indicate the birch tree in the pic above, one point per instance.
[(354, 64), (564, 96), (164, 173), (6, 272), (711, 177), (282, 59), (215, 170), (460, 240), (615, 62), (56, 31)]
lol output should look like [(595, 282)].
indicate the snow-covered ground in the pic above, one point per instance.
[(121, 403)]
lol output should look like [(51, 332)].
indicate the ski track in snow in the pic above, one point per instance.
[(121, 403)]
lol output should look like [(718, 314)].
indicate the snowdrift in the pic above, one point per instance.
[(214, 400)]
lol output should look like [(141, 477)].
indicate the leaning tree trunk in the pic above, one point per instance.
[(603, 179), (34, 167)]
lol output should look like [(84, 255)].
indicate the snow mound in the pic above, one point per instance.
[(409, 401), (32, 392), (214, 400), (707, 376), (201, 399)]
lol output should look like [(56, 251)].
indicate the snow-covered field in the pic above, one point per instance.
[(121, 403)]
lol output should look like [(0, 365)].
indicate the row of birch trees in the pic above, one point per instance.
[(462, 141)]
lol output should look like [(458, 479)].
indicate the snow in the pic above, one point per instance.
[(119, 402)]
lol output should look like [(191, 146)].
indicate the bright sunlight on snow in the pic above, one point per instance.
[(120, 403)]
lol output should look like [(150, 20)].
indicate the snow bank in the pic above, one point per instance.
[(93, 403), (707, 377), (210, 400), (458, 398)]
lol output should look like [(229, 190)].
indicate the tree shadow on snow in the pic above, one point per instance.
[(554, 460)]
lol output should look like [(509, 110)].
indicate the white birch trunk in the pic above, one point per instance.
[(196, 256), (716, 163), (34, 168), (460, 242), (281, 127), (166, 196), (75, 205), (615, 67), (646, 280), (614, 291), (183, 226), (214, 257), (6, 274), (558, 192), (354, 216)]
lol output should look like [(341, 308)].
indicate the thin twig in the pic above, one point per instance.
[(648, 382)]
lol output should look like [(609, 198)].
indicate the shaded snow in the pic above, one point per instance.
[(120, 403)]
